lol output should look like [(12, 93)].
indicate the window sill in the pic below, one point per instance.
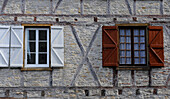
[(133, 68), (36, 69)]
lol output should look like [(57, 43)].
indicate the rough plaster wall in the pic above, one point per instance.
[(37, 6), (119, 7), (15, 7), (95, 6), (67, 7), (148, 7), (166, 7), (33, 78), (57, 84), (10, 78)]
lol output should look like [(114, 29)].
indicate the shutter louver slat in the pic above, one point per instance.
[(4, 45), (57, 46), (156, 50), (16, 55), (109, 46)]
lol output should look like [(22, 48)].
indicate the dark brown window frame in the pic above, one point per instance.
[(132, 45), (134, 66)]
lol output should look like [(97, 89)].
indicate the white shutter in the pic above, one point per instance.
[(57, 46), (4, 45), (16, 53)]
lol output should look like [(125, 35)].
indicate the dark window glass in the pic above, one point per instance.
[(125, 46), (42, 46), (30, 58), (139, 46), (40, 50), (32, 47), (32, 35), (42, 35), (132, 42), (42, 59)]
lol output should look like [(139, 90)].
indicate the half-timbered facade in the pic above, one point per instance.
[(77, 49)]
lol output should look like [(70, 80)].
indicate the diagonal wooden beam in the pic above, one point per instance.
[(85, 58), (81, 6), (108, 6), (77, 40), (3, 6), (161, 7), (93, 72), (57, 5), (167, 29), (23, 6), (128, 5), (134, 7), (51, 7), (168, 79)]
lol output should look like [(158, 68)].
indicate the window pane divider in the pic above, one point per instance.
[(37, 45)]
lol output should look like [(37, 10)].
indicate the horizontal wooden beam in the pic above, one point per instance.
[(82, 87), (87, 15), (36, 69), (133, 24), (36, 24)]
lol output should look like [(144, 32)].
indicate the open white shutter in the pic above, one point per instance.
[(4, 45), (57, 46), (16, 54)]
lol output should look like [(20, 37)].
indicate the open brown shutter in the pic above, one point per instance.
[(110, 45), (156, 50)]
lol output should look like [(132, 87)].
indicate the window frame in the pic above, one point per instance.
[(134, 67), (48, 48), (132, 45)]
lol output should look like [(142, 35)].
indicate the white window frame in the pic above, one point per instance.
[(36, 59)]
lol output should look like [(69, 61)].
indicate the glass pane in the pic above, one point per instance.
[(122, 60), (142, 53), (128, 39), (136, 53), (142, 39), (42, 46), (128, 60), (142, 46), (31, 47), (122, 39), (142, 32), (32, 35), (42, 59), (136, 39), (122, 32), (136, 32), (30, 58), (122, 53), (136, 46), (136, 60), (122, 46), (42, 34), (128, 46), (142, 61), (128, 32), (128, 53)]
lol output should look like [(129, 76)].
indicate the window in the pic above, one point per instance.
[(37, 47), (132, 42), (32, 46), (132, 46)]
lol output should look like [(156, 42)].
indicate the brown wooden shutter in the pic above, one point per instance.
[(110, 45), (156, 49)]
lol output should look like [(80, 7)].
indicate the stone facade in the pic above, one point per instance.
[(83, 76)]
